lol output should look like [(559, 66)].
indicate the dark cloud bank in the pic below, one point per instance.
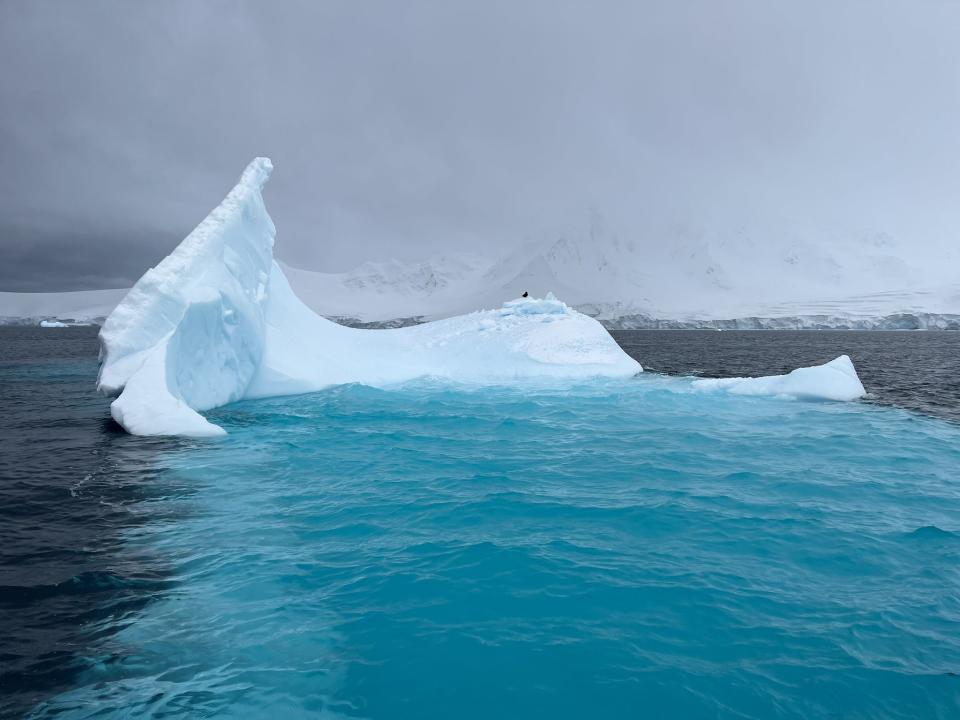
[(403, 129)]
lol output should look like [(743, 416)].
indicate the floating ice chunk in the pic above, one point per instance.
[(53, 324), (835, 380), (216, 321)]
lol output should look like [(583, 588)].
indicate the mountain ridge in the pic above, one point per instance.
[(695, 280)]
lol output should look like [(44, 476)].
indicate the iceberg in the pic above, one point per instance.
[(216, 321), (835, 380)]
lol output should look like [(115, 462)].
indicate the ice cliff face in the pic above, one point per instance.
[(216, 321), (614, 318)]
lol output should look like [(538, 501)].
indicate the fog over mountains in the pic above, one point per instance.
[(741, 157), (697, 276), (696, 279)]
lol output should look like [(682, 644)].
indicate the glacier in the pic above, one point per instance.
[(216, 321)]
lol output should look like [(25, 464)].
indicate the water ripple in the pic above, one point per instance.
[(610, 549)]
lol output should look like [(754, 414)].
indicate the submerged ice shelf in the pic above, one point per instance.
[(216, 321)]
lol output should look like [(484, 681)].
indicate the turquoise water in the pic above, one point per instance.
[(615, 549)]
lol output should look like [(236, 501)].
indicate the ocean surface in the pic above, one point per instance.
[(612, 549)]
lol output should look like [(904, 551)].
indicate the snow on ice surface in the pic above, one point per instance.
[(216, 321), (523, 340), (835, 380)]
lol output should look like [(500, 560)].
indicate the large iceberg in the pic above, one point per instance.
[(216, 321)]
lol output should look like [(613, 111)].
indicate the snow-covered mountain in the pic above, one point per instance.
[(383, 291), (695, 279), (81, 307), (691, 279)]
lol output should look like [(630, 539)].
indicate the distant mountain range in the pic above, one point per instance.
[(694, 280)]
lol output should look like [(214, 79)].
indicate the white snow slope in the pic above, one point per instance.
[(216, 321), (84, 306), (810, 279), (798, 280), (687, 277)]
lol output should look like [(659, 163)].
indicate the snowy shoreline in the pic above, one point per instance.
[(892, 322)]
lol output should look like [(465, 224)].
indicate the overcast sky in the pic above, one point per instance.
[(403, 129)]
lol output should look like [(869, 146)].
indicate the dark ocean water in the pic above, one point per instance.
[(619, 550), (71, 483)]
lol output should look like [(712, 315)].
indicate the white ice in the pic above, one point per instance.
[(216, 321), (835, 380)]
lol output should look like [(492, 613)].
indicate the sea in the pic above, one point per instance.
[(603, 549)]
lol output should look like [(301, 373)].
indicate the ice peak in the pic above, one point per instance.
[(207, 298), (257, 173)]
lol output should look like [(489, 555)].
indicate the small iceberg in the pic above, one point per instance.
[(53, 324), (835, 380), (216, 321)]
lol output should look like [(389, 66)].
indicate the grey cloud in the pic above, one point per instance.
[(401, 129)]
